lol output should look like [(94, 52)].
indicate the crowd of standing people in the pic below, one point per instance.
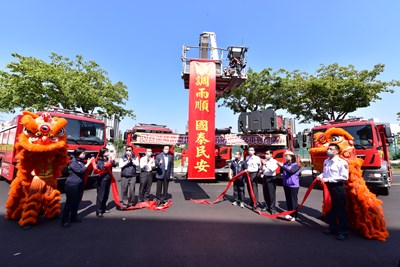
[(162, 163), (265, 168), (335, 173)]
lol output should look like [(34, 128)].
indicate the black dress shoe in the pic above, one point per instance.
[(329, 232), (65, 224), (341, 237), (99, 214), (27, 226)]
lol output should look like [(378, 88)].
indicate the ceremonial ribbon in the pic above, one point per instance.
[(150, 205), (327, 198), (203, 201)]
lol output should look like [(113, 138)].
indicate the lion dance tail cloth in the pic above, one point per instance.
[(364, 209), (42, 153)]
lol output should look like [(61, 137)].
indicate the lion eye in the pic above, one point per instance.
[(61, 132), (336, 138), (27, 132)]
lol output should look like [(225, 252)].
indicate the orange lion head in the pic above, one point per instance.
[(336, 136), (42, 132), (319, 139)]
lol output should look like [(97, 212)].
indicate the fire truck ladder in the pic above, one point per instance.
[(227, 77)]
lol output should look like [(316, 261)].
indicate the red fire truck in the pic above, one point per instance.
[(371, 141), (137, 138), (277, 139), (83, 130)]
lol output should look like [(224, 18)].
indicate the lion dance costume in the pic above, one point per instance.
[(363, 208), (42, 154)]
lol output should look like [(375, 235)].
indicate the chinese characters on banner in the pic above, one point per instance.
[(201, 145)]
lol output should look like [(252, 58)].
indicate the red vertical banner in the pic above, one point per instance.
[(201, 143)]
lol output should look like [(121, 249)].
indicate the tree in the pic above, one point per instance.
[(34, 84), (333, 92), (259, 90), (119, 145)]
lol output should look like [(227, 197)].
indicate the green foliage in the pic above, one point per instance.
[(396, 156), (34, 84), (334, 91), (119, 145), (260, 89)]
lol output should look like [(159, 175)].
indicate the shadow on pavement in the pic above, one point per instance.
[(192, 190)]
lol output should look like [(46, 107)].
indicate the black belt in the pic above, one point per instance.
[(336, 184)]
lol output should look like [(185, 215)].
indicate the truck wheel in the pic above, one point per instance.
[(383, 191), (222, 177)]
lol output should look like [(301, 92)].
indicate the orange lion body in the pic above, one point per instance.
[(42, 154)]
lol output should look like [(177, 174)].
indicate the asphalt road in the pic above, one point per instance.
[(189, 234)]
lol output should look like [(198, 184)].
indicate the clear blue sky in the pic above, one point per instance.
[(139, 43)]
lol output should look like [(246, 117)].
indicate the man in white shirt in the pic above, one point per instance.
[(253, 167), (269, 182), (147, 165), (335, 174)]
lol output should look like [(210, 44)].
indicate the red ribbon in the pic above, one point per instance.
[(327, 197), (327, 201), (203, 201), (150, 205)]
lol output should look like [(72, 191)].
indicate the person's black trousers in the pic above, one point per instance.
[(73, 192), (128, 189), (337, 217), (269, 190), (103, 190), (162, 188), (291, 194), (253, 178), (146, 180), (238, 190)]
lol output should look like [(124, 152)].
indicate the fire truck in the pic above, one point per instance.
[(371, 142), (137, 138), (83, 130)]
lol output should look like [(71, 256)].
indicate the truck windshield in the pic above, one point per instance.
[(362, 135), (84, 132)]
